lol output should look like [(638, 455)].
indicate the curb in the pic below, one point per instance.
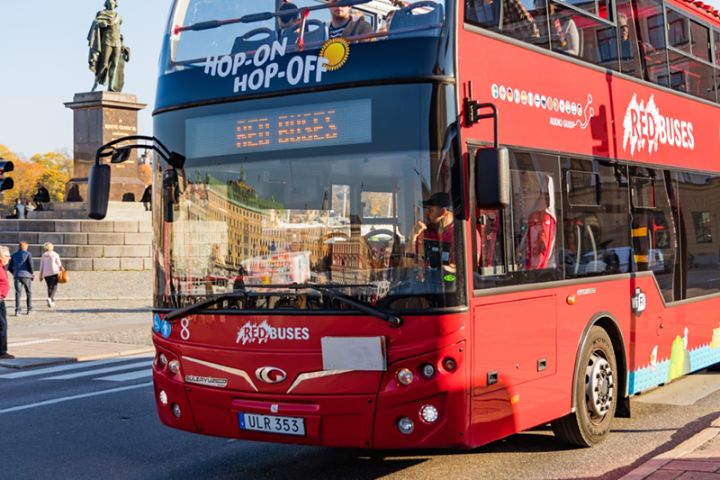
[(83, 299), (686, 447), (19, 363)]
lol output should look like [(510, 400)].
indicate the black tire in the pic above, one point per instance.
[(595, 398)]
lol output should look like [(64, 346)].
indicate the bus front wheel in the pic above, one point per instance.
[(596, 391)]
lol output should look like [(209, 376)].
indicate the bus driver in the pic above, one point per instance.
[(434, 241)]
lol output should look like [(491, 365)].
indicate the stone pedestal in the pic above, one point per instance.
[(100, 117)]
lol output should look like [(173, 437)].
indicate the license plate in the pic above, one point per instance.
[(272, 424)]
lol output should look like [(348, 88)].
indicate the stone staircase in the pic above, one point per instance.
[(85, 245)]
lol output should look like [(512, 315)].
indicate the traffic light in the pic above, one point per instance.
[(6, 183)]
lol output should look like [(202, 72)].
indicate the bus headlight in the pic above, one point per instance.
[(162, 360), (174, 367), (429, 413), (427, 371), (163, 397), (404, 376), (176, 410), (405, 425)]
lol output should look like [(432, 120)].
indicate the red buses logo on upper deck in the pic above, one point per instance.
[(646, 128), (260, 333)]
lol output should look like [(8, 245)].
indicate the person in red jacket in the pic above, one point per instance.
[(4, 290)]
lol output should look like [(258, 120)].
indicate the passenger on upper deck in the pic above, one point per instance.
[(288, 21), (343, 25), (564, 32)]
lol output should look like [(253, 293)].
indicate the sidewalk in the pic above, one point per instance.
[(697, 458), (97, 315)]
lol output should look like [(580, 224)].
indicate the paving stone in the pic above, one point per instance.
[(126, 227), (89, 251), (665, 475), (56, 238), (104, 264), (36, 226), (8, 237), (145, 227), (131, 264), (132, 251), (138, 239), (9, 225), (75, 238), (68, 226), (78, 264), (693, 465), (31, 238), (699, 476), (106, 238), (93, 226)]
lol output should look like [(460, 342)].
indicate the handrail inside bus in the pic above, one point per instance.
[(199, 62), (259, 17)]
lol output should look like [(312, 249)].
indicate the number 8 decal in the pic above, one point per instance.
[(185, 331)]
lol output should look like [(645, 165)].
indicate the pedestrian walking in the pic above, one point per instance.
[(19, 209), (50, 266), (4, 290), (22, 270)]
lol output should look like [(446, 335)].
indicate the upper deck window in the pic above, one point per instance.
[(201, 29)]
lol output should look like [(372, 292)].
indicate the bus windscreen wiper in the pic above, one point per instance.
[(327, 290), (330, 291), (208, 302), (259, 17)]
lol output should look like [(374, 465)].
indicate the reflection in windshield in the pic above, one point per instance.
[(206, 28), (377, 227)]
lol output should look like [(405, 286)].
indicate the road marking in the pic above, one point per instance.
[(33, 342), (124, 377), (62, 368), (74, 397), (89, 373), (684, 391)]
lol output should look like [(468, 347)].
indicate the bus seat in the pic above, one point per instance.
[(484, 13), (254, 39), (315, 32), (407, 23)]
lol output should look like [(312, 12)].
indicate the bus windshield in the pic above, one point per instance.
[(201, 29), (321, 189), (350, 221)]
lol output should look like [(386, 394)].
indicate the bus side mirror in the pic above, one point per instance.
[(492, 178), (98, 191)]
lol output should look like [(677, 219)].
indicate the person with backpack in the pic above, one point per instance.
[(22, 270)]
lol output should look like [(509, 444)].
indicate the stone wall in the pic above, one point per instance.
[(85, 245)]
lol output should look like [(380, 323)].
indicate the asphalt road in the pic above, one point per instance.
[(99, 421)]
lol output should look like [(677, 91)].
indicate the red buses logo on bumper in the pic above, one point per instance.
[(646, 128), (260, 333)]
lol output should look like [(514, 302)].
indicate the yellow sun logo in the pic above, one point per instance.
[(336, 51)]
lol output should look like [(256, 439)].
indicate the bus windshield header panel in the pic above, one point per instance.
[(219, 49)]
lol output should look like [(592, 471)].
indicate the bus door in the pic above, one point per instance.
[(514, 322)]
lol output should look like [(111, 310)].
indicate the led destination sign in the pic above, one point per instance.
[(316, 125)]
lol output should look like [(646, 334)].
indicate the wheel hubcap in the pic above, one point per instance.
[(599, 386)]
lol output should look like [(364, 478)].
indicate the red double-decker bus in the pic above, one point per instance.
[(393, 224)]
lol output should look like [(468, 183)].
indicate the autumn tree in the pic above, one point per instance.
[(52, 170)]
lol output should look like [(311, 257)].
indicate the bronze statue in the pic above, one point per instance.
[(107, 52)]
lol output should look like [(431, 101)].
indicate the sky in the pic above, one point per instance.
[(43, 63)]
